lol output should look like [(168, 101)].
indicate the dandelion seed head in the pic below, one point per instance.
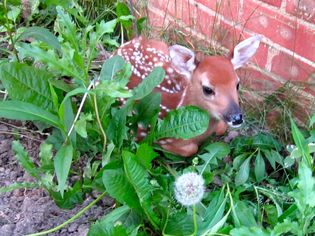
[(189, 189)]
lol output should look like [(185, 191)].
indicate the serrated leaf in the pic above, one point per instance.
[(118, 187), (41, 34), (149, 83), (184, 122), (138, 177), (27, 84), (25, 111), (243, 173), (259, 167), (62, 164), (24, 160)]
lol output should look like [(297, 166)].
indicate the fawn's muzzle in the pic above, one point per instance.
[(234, 116)]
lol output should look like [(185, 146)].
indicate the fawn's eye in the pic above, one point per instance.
[(207, 90), (238, 86)]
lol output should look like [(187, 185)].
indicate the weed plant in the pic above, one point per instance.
[(254, 185)]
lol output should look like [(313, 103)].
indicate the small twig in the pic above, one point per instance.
[(80, 108), (73, 218)]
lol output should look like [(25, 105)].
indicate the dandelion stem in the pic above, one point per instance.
[(195, 220)]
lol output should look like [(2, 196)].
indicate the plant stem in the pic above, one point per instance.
[(9, 31), (195, 220), (99, 122), (76, 216)]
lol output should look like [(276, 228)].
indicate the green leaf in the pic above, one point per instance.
[(18, 185), (117, 129), (301, 144), (65, 26), (149, 83), (28, 84), (184, 122), (245, 214), (62, 165), (259, 167), (145, 155), (24, 160), (249, 231), (243, 173), (312, 121), (179, 224), (106, 27), (138, 177), (118, 187), (80, 125), (215, 150), (25, 111), (111, 67), (214, 214), (41, 34), (46, 156)]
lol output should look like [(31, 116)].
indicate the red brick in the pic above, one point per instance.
[(255, 80), (304, 9), (280, 29), (276, 3), (290, 68), (156, 20), (227, 8)]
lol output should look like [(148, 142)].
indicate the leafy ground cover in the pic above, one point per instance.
[(51, 74)]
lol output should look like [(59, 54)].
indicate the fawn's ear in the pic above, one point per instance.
[(245, 50), (183, 60)]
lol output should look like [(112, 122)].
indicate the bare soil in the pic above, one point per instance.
[(26, 211)]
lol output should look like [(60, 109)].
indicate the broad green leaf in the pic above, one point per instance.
[(243, 173), (106, 156), (41, 34), (25, 111), (149, 83), (145, 155), (285, 227), (80, 125), (72, 197), (28, 84), (138, 177), (62, 163), (147, 108), (106, 27), (111, 67), (245, 214), (259, 167), (118, 187), (184, 122), (215, 150), (272, 214), (105, 225), (301, 144), (249, 231), (179, 224), (25, 161), (266, 141)]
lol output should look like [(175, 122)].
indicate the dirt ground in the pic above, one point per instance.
[(29, 211)]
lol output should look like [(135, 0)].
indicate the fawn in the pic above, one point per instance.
[(209, 82)]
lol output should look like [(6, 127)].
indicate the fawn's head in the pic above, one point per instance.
[(213, 82)]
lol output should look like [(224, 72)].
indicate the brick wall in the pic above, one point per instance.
[(287, 52)]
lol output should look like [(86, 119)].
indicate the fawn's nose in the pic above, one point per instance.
[(236, 119)]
